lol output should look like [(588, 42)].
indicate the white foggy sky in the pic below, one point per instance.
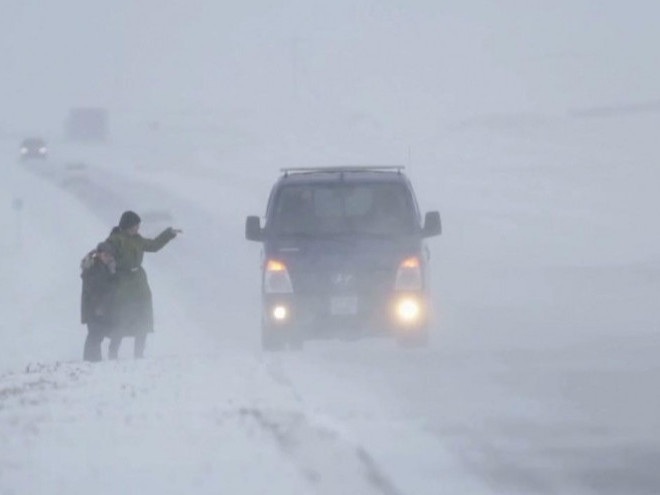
[(417, 61)]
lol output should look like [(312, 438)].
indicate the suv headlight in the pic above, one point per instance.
[(409, 275), (276, 278), (408, 310)]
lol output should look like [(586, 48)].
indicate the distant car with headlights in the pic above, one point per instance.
[(344, 256), (33, 147)]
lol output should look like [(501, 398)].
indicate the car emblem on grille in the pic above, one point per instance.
[(342, 279)]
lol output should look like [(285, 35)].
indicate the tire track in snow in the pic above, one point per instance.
[(321, 455), (301, 427)]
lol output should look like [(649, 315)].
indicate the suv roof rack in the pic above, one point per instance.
[(345, 168)]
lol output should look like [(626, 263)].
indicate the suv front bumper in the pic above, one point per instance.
[(319, 316)]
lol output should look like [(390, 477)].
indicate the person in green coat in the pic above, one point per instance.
[(133, 303)]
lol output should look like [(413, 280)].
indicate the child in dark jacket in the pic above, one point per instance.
[(97, 302)]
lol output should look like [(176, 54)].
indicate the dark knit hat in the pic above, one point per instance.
[(106, 247), (129, 219)]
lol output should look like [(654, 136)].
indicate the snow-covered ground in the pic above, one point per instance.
[(533, 131), (540, 377)]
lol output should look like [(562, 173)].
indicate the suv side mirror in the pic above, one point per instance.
[(432, 225), (253, 230)]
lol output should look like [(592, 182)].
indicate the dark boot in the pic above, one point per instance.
[(113, 348), (92, 350)]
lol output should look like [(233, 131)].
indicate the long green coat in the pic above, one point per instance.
[(134, 307)]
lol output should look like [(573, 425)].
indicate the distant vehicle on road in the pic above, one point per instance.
[(33, 147), (344, 257)]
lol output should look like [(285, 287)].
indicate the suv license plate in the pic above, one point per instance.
[(342, 306)]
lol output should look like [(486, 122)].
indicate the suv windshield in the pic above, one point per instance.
[(334, 209)]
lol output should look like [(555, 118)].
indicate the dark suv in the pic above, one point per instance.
[(344, 256)]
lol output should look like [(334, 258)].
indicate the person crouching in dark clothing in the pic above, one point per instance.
[(99, 283)]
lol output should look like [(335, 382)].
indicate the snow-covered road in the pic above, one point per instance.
[(540, 377), (330, 420)]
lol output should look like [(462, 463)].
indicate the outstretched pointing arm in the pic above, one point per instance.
[(156, 244)]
